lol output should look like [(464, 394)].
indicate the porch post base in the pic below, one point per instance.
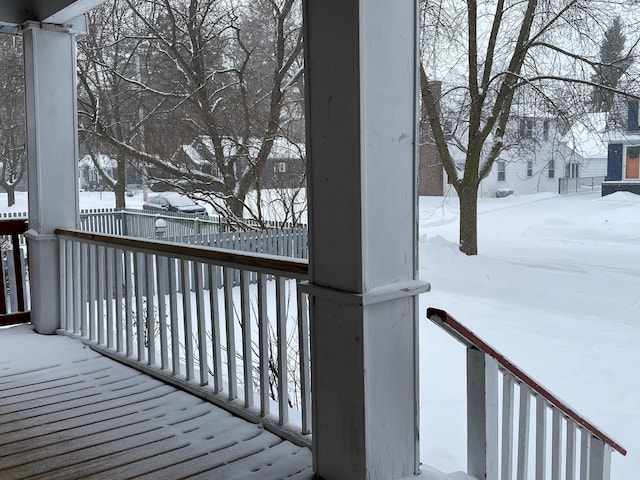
[(45, 298)]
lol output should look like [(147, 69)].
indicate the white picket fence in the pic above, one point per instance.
[(510, 415), (269, 238)]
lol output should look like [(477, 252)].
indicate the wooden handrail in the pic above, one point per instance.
[(257, 262), (13, 226), (471, 340)]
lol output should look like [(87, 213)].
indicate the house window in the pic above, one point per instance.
[(571, 170), (552, 168), (529, 168), (502, 171), (280, 167), (526, 128), (632, 163), (545, 131)]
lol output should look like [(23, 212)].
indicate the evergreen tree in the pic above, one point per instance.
[(613, 64)]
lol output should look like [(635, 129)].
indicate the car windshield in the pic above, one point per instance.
[(178, 200)]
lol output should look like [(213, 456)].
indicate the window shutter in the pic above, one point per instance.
[(632, 116)]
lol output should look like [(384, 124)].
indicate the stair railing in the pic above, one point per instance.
[(507, 411)]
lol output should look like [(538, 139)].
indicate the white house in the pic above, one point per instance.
[(585, 147), (89, 177), (541, 154)]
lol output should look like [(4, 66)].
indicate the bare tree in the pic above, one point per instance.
[(495, 55), (112, 103), (225, 72), (12, 117)]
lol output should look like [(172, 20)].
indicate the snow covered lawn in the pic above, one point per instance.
[(556, 288)]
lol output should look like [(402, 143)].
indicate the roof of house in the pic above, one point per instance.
[(587, 137), (105, 161), (201, 149)]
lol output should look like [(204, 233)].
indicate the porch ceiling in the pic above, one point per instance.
[(16, 12)]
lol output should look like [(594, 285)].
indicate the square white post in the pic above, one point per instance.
[(361, 92), (52, 152), (482, 415), (600, 460)]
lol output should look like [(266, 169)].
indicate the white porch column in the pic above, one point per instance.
[(361, 58), (52, 152)]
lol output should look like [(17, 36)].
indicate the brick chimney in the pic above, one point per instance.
[(430, 170)]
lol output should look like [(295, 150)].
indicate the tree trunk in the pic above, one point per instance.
[(120, 187), (11, 196), (236, 206), (469, 219), (119, 191)]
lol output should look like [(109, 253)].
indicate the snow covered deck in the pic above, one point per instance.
[(68, 412)]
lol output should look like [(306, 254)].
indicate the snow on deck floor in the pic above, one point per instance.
[(66, 412)]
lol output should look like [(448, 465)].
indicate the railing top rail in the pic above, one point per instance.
[(13, 226), (471, 340), (273, 264)]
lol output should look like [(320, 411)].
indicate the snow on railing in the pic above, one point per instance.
[(14, 298), (231, 327), (509, 415)]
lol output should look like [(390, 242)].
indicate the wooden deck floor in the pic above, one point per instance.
[(66, 413)]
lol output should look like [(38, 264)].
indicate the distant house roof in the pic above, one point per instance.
[(588, 137), (105, 161), (201, 149)]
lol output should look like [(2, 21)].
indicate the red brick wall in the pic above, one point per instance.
[(430, 171)]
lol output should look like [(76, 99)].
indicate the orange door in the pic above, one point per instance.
[(633, 168)]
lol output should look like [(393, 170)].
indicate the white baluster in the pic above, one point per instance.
[(263, 343), (556, 444), (570, 458), (524, 420), (216, 340), (482, 415), (281, 331), (245, 315), (231, 337), (507, 426), (541, 437)]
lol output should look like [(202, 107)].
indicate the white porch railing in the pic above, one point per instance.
[(230, 327), (510, 415)]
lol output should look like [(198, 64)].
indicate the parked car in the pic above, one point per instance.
[(174, 202)]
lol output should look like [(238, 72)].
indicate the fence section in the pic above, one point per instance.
[(288, 240), (191, 316), (578, 185), (510, 416)]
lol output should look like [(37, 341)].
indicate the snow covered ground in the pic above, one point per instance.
[(556, 288)]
